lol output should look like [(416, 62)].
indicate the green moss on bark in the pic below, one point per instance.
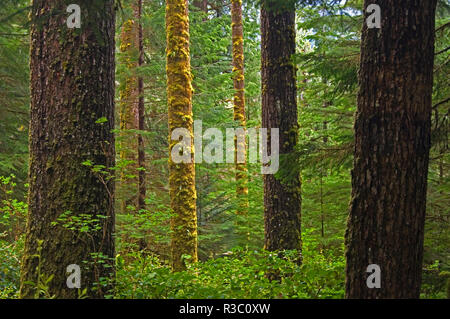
[(179, 93), (72, 85)]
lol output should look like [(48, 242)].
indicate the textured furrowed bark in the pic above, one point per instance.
[(392, 143), (72, 86), (282, 201)]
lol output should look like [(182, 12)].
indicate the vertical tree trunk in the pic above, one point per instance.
[(282, 200), (179, 95), (132, 111), (72, 86), (392, 143), (239, 104), (142, 189), (141, 126)]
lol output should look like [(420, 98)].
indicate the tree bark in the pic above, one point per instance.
[(282, 200), (392, 144), (72, 86), (239, 105), (179, 94), (142, 188), (132, 112)]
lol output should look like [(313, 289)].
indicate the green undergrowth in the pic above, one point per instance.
[(238, 274)]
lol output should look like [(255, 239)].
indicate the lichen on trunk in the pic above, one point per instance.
[(239, 108), (179, 93)]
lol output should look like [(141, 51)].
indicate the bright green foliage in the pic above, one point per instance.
[(14, 104), (238, 274), (12, 222), (14, 89)]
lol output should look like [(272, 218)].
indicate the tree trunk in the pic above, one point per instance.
[(132, 112), (142, 188), (282, 200), (179, 95), (392, 143), (239, 105), (72, 87)]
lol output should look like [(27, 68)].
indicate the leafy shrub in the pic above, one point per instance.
[(12, 221), (237, 274)]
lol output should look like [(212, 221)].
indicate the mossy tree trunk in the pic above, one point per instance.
[(72, 87), (239, 106), (282, 200), (179, 94), (392, 143), (132, 111)]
